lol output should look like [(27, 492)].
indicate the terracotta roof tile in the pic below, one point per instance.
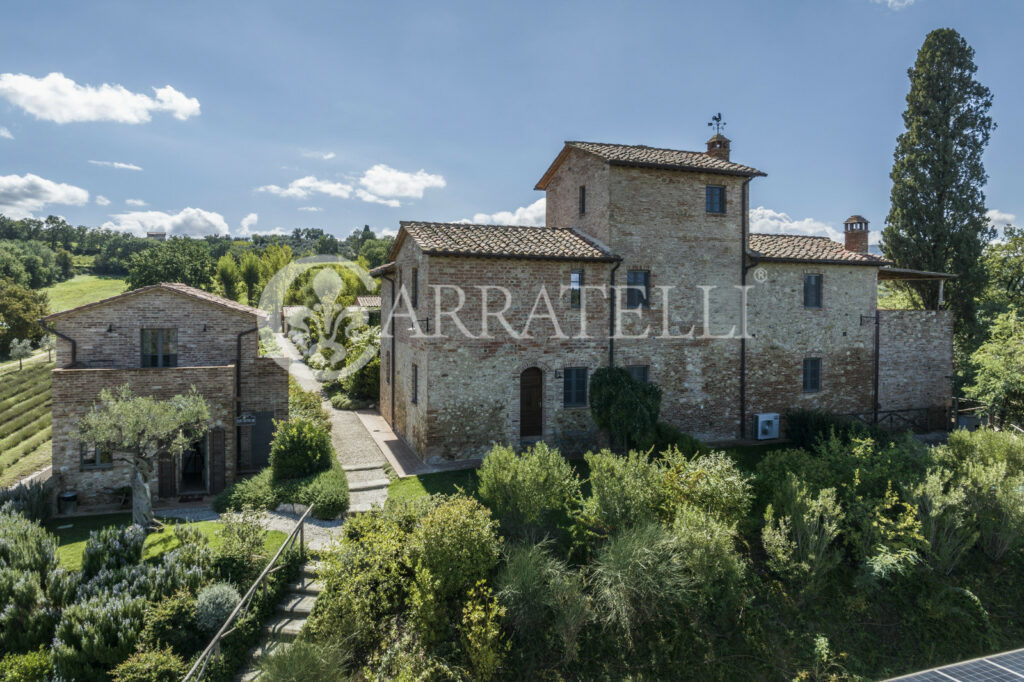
[(654, 157), (175, 287), (793, 247), (502, 241), (368, 301)]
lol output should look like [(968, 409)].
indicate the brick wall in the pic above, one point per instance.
[(915, 359), (76, 390), (784, 333)]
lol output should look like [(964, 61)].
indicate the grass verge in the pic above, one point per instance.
[(83, 289)]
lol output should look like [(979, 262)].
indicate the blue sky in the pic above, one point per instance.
[(250, 115)]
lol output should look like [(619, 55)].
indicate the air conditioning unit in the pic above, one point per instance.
[(767, 425)]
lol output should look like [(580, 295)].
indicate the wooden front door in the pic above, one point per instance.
[(262, 435), (531, 412)]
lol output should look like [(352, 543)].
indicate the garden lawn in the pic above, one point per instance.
[(73, 533), (83, 289)]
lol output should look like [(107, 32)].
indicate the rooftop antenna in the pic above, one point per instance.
[(716, 121)]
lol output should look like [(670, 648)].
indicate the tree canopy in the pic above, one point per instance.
[(627, 408), (937, 219), (183, 260), (20, 308), (999, 369)]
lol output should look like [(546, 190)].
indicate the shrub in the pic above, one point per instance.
[(306, 661), (627, 408), (343, 401), (30, 499), (239, 556), (300, 448), (213, 606), (710, 482), (624, 491), (33, 666), (530, 492), (303, 404), (150, 665), (456, 541), (170, 622), (483, 643), (665, 436), (800, 537), (112, 548), (326, 493), (708, 548), (25, 619), (982, 445), (947, 530), (545, 606), (806, 428), (95, 635), (26, 546), (257, 492), (998, 501), (363, 382)]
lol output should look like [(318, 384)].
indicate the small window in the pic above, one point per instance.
[(575, 386), (812, 375), (812, 291), (415, 287), (575, 288), (415, 389), (159, 347), (95, 457), (583, 199), (714, 196), (638, 289), (639, 372)]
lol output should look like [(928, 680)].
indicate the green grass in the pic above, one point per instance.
[(72, 535), (443, 483), (83, 289)]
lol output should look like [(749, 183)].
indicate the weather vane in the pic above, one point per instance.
[(716, 121)]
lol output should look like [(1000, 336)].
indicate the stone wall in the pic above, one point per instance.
[(784, 333), (76, 390), (915, 359)]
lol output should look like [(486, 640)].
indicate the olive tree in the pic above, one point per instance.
[(20, 350), (138, 429)]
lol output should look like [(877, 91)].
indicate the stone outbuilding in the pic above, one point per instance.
[(646, 262), (161, 340)]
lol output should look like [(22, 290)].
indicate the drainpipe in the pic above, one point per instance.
[(74, 346), (611, 318), (391, 364), (744, 266), (874, 401)]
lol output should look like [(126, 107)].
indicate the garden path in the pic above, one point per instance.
[(357, 451)]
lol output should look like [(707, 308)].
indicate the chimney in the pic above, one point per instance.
[(718, 147), (856, 234)]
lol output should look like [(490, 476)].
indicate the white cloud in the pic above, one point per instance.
[(311, 209), (384, 181), (21, 195), (894, 4), (388, 232), (767, 221), (374, 199), (325, 156), (116, 164), (248, 222), (138, 203), (307, 187), (6, 134), (57, 98), (999, 219), (189, 222), (532, 215), (277, 231), (102, 200)]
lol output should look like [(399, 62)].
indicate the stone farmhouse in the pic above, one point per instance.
[(161, 340), (642, 238)]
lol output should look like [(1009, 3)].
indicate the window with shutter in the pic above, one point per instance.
[(812, 375), (812, 291), (575, 386)]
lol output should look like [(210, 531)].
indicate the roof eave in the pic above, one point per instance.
[(382, 269), (753, 173), (908, 274), (817, 261), (542, 184), (517, 256)]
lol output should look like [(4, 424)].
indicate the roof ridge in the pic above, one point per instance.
[(642, 146), (786, 234)]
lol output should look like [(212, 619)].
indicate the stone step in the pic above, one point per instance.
[(306, 585), (297, 605), (283, 628), (360, 467), (376, 484)]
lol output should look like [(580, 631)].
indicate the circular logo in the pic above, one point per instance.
[(322, 328), (761, 275)]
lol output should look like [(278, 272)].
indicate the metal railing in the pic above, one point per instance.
[(916, 419), (212, 650)]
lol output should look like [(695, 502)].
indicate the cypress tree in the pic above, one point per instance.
[(937, 220)]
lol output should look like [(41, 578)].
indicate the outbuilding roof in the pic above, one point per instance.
[(368, 301), (803, 248), (642, 156), (175, 287)]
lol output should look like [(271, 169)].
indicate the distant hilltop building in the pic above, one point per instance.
[(637, 219), (158, 236)]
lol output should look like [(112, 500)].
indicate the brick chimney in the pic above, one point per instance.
[(856, 234), (718, 147)]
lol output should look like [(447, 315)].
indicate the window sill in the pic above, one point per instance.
[(96, 467)]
